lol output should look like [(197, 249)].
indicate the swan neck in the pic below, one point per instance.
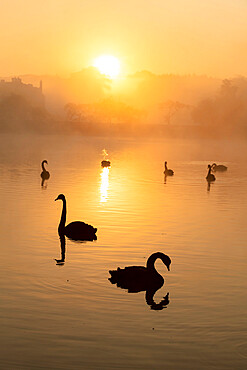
[(150, 262), (43, 166), (63, 217), (209, 171), (165, 166)]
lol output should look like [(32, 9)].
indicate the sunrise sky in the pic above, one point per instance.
[(162, 36)]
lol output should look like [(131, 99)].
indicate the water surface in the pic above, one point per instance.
[(68, 315)]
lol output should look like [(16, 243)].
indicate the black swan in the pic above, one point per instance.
[(105, 163), (210, 177), (167, 171), (76, 230), (218, 167), (138, 278), (45, 175)]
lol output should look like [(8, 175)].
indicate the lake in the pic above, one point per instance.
[(66, 314)]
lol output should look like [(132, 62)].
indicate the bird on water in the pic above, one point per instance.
[(210, 176), (76, 230), (45, 175), (138, 278), (168, 172)]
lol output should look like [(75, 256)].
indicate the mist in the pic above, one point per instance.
[(140, 104)]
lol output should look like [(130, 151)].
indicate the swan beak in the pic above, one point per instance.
[(56, 199), (168, 268)]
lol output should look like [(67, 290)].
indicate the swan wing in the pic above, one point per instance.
[(79, 230)]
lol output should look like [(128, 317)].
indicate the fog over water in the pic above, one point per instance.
[(67, 314)]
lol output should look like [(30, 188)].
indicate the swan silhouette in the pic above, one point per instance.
[(139, 278), (45, 175), (218, 167), (76, 230), (167, 171), (105, 163), (210, 177)]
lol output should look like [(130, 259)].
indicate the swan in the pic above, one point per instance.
[(138, 278), (210, 177), (45, 175), (167, 171), (105, 163), (76, 230), (218, 167)]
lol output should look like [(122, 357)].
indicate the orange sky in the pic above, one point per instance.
[(163, 36)]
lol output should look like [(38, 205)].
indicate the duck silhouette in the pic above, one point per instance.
[(76, 230), (218, 167), (105, 163), (168, 172), (210, 176), (140, 278)]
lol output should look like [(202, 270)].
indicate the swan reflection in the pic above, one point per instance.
[(61, 261), (149, 296), (104, 184), (139, 278)]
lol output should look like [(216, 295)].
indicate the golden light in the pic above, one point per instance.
[(107, 65), (104, 184)]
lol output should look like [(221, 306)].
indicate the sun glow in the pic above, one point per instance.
[(107, 65)]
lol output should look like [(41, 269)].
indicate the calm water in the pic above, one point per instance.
[(69, 316)]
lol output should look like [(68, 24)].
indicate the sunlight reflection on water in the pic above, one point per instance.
[(104, 184)]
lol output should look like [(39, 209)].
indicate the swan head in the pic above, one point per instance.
[(45, 161), (166, 260), (209, 166), (60, 196)]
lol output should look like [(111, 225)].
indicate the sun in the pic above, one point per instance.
[(107, 65)]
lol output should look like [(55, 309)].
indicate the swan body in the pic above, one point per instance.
[(45, 175), (218, 167), (210, 176), (76, 230), (105, 163), (167, 171), (139, 278)]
